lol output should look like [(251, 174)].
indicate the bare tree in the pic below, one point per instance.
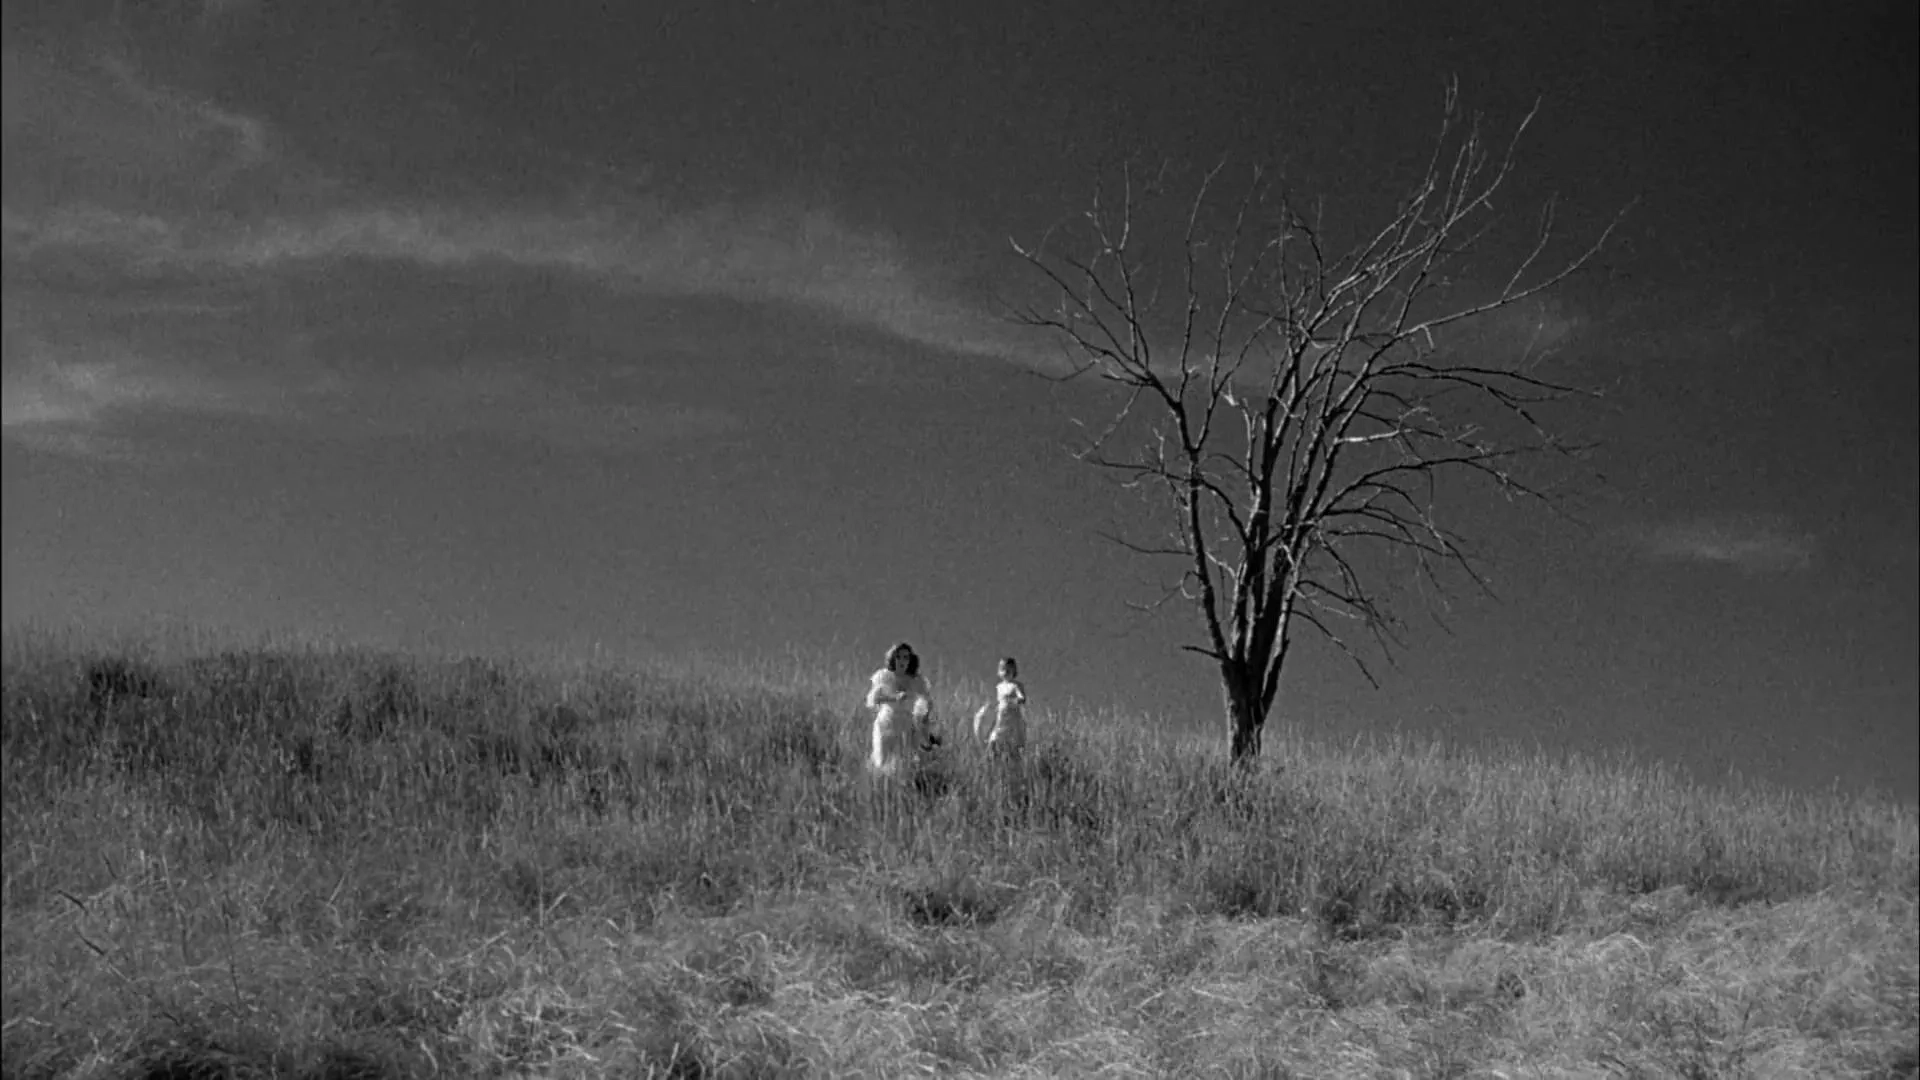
[(1297, 405)]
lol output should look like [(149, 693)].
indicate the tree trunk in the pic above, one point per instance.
[(1243, 711)]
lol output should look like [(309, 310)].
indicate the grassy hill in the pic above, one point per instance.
[(328, 863)]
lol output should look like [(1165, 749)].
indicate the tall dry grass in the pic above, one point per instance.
[(324, 862)]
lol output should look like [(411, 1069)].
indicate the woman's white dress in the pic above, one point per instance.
[(1009, 716), (901, 705)]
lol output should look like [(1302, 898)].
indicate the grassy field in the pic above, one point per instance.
[(328, 863)]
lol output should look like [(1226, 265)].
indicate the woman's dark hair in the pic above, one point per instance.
[(913, 659)]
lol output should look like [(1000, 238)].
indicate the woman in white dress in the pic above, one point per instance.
[(902, 708), (1007, 715)]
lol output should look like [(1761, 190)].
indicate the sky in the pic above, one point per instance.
[(681, 328)]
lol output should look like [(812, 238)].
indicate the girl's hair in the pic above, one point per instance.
[(913, 658), (1010, 663)]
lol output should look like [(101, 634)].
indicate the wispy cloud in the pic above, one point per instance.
[(130, 202), (767, 252), (60, 375), (1757, 544), (1520, 334), (219, 189), (70, 389), (73, 408)]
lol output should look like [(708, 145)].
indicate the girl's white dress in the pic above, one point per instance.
[(1009, 716), (901, 705)]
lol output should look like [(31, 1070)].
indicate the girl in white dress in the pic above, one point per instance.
[(902, 708), (1008, 733)]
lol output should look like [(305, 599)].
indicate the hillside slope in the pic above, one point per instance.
[(313, 862)]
